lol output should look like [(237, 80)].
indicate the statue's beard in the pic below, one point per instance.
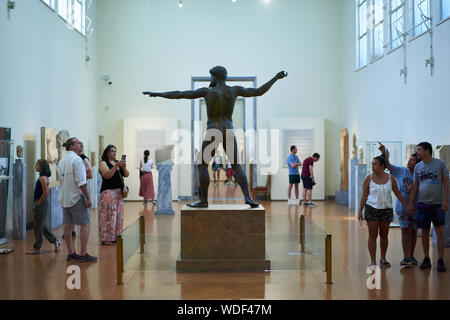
[(213, 83)]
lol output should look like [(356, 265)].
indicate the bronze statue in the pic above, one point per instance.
[(220, 100)]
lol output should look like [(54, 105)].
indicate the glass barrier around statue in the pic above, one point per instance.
[(307, 248), (6, 190)]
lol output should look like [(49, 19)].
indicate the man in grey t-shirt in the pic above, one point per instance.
[(431, 187)]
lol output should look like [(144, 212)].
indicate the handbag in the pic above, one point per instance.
[(125, 189)]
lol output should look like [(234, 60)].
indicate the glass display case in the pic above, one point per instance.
[(394, 149), (6, 188)]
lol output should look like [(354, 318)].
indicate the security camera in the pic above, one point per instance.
[(107, 79)]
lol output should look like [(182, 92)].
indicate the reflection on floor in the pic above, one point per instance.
[(44, 276)]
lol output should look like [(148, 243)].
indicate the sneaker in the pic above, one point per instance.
[(34, 251), (312, 204), (385, 264), (88, 258), (441, 266), (73, 256), (57, 245), (404, 262), (426, 263), (305, 204), (412, 261)]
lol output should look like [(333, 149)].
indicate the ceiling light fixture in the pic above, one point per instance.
[(180, 4)]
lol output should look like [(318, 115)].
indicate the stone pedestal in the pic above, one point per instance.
[(92, 188), (446, 231), (99, 184), (360, 176), (19, 201), (223, 238), (342, 198), (351, 183), (55, 216), (164, 188)]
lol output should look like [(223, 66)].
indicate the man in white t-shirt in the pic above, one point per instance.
[(74, 199)]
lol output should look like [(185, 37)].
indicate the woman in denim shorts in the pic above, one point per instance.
[(377, 201)]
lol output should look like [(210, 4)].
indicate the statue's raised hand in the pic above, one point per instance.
[(281, 75), (150, 94)]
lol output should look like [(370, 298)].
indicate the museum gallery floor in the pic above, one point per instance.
[(44, 276)]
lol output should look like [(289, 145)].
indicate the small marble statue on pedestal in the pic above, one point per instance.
[(353, 163), (360, 176), (164, 165), (342, 193), (49, 152), (361, 154)]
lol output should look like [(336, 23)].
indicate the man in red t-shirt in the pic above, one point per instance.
[(308, 179)]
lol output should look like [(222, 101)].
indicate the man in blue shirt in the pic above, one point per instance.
[(293, 163), (408, 222)]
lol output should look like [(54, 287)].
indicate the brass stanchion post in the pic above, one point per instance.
[(302, 233), (142, 233), (328, 265), (119, 261)]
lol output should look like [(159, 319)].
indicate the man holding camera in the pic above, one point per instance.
[(308, 179)]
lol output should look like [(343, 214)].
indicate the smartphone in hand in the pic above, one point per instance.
[(124, 157)]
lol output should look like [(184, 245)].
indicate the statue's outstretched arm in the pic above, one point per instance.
[(256, 92), (191, 94)]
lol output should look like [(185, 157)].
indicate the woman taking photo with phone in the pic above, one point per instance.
[(377, 201), (110, 204)]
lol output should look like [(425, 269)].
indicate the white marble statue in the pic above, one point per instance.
[(164, 153), (61, 138), (361, 154), (354, 146)]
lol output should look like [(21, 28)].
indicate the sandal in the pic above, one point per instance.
[(107, 243), (385, 264), (34, 251)]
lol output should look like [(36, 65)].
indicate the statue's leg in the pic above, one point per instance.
[(230, 144), (203, 178)]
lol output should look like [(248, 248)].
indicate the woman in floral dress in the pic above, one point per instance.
[(110, 205)]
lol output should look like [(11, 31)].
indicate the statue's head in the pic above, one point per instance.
[(217, 73)]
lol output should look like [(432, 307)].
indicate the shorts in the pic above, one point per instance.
[(217, 167), (407, 221), (307, 182), (427, 213), (382, 215), (77, 214), (294, 178)]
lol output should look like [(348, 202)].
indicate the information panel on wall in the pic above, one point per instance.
[(303, 139), (149, 140)]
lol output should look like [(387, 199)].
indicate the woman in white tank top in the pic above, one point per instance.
[(146, 188), (377, 202)]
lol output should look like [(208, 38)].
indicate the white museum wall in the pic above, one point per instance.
[(280, 180), (156, 46), (131, 125), (45, 81), (377, 105)]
